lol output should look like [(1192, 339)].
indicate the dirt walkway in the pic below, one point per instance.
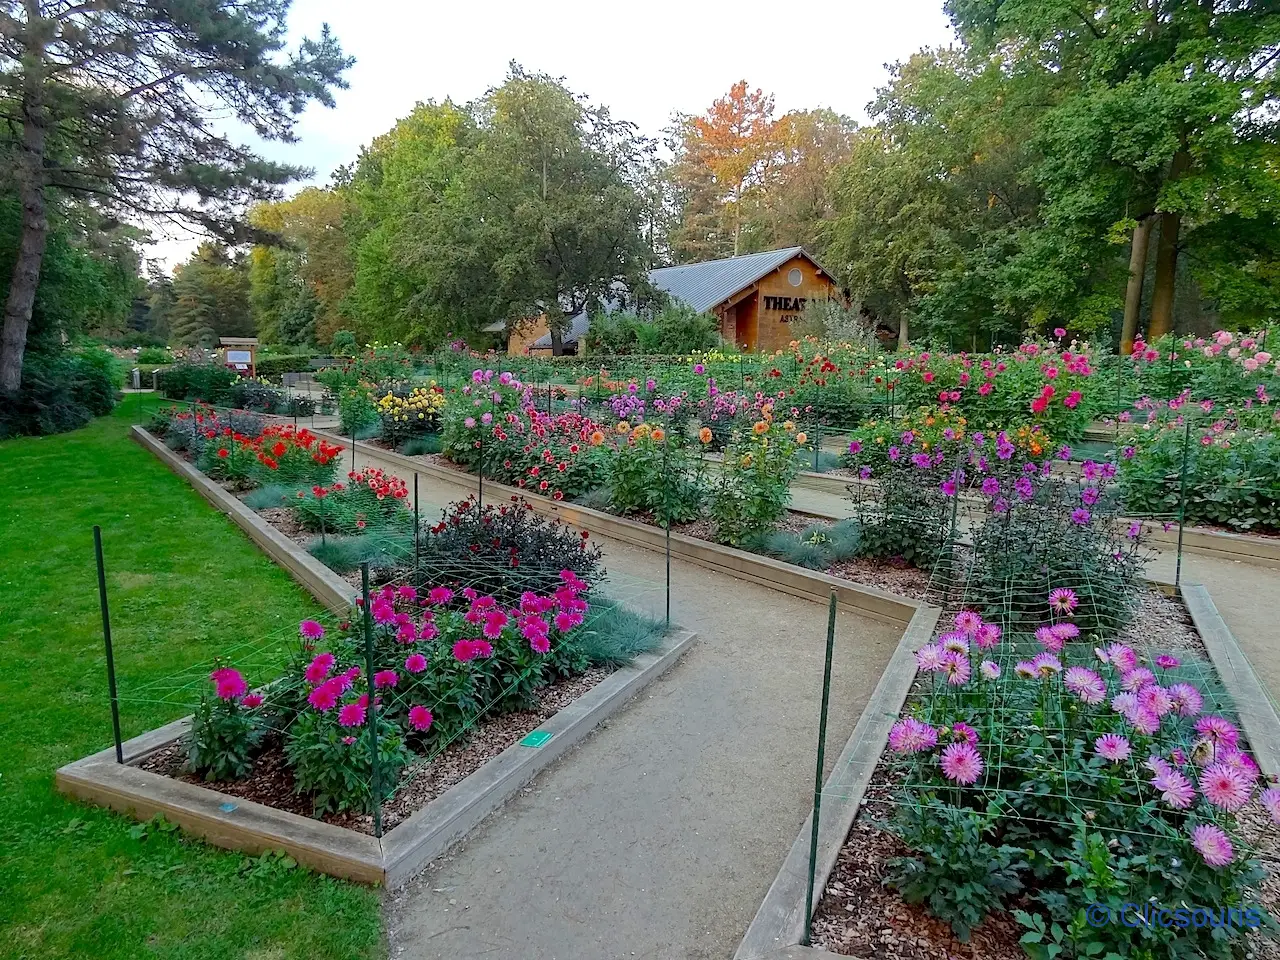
[(659, 836)]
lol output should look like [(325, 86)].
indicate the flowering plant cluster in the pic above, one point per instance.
[(1231, 459), (496, 428), (652, 471), (1101, 771), (1039, 383), (413, 414), (505, 549), (1227, 366), (227, 727), (442, 658), (371, 499), (377, 363), (751, 494)]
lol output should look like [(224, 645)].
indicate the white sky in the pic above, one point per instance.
[(643, 61)]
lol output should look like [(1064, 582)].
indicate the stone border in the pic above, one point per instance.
[(254, 828), (779, 922), (775, 932), (327, 587), (870, 602)]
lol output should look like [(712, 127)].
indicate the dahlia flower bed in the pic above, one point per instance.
[(1033, 773), (456, 678)]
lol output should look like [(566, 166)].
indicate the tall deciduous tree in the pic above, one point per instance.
[(544, 218), (1154, 108), (118, 101)]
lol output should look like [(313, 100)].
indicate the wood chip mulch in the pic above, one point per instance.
[(271, 782)]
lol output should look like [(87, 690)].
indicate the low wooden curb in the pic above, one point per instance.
[(779, 923), (1253, 704), (778, 926), (254, 828), (322, 583), (866, 601)]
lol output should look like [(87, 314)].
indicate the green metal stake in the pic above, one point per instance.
[(1182, 497), (373, 701), (106, 636), (817, 445), (817, 781), (667, 521)]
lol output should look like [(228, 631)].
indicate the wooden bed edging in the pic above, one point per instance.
[(254, 828)]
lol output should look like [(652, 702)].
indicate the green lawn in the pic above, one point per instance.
[(184, 583)]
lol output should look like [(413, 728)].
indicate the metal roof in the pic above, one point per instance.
[(703, 285), (700, 285)]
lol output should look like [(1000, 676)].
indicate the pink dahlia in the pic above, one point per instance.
[(318, 669), (439, 595), (1212, 844), (1167, 661), (1085, 684), (1224, 786), (1218, 730), (968, 623), (961, 763), (385, 678), (1155, 698), (1137, 678), (1237, 759), (539, 643), (929, 658), (1045, 665), (1063, 600), (464, 650), (988, 636), (956, 667), (429, 631), (1048, 639), (351, 715), (420, 718), (1186, 699), (415, 663), (252, 700), (909, 735), (1025, 669), (311, 629), (494, 621), (1270, 799), (1175, 789), (228, 684), (1125, 704), (990, 670), (965, 732), (325, 696), (1112, 746), (1065, 631), (1144, 721), (955, 642), (1119, 656)]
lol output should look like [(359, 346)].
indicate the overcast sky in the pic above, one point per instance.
[(644, 61)]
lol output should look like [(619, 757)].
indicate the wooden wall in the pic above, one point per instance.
[(775, 314)]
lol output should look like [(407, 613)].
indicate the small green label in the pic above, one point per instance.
[(536, 739)]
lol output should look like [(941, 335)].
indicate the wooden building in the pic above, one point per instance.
[(756, 298)]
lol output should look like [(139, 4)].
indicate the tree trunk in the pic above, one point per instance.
[(29, 174), (1167, 259), (557, 341), (902, 331), (1133, 293)]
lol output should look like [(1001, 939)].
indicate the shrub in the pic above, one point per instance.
[(370, 499), (816, 547), (357, 412), (276, 366), (226, 729), (674, 329), (755, 482), (196, 381), (505, 549), (414, 414), (60, 391), (343, 343), (154, 355), (653, 473)]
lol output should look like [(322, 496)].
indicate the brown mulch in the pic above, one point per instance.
[(859, 916), (271, 782)]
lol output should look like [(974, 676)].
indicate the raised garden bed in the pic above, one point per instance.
[(857, 915)]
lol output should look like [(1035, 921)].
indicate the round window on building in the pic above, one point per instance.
[(795, 277)]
